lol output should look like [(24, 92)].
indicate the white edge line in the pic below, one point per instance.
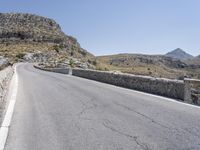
[(8, 116), (168, 99), (147, 94), (160, 97)]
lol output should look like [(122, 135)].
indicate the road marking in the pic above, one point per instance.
[(161, 97), (144, 93), (7, 119)]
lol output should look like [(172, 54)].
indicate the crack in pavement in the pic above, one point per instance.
[(143, 115), (86, 107), (134, 138), (193, 133), (155, 122)]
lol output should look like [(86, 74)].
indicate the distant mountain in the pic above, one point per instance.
[(153, 65), (132, 60), (179, 54)]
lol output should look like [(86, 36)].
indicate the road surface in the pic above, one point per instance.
[(62, 112)]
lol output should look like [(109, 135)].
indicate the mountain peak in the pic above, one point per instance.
[(179, 50), (179, 54)]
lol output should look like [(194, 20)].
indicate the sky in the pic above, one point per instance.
[(121, 26)]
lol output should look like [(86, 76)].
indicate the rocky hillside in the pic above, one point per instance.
[(179, 54), (132, 60), (27, 27), (195, 62), (152, 65), (32, 38), (27, 37)]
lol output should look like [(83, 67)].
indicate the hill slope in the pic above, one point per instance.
[(179, 54), (39, 39), (152, 65), (195, 62)]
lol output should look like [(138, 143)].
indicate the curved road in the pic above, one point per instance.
[(62, 112)]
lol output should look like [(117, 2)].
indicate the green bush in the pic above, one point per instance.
[(56, 48), (20, 55), (72, 53), (62, 46), (71, 62), (106, 69), (94, 62)]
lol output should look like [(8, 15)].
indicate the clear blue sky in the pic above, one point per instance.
[(122, 26)]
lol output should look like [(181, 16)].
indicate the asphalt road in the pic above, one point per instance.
[(62, 112)]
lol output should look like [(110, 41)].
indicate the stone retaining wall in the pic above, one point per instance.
[(192, 91), (187, 90), (5, 77), (164, 87), (58, 70)]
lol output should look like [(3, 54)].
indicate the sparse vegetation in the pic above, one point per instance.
[(155, 66)]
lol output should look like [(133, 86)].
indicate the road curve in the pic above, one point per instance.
[(62, 112)]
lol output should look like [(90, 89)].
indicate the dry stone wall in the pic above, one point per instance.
[(57, 70), (187, 90), (164, 87), (5, 76)]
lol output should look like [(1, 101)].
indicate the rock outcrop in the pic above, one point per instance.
[(28, 27), (23, 35)]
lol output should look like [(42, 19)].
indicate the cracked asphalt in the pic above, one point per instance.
[(62, 112)]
